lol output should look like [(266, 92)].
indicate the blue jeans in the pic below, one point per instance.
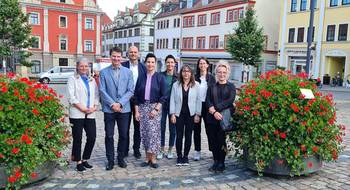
[(172, 129)]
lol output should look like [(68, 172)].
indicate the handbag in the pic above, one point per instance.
[(226, 124)]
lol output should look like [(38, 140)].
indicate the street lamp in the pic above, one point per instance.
[(309, 36), (4, 65)]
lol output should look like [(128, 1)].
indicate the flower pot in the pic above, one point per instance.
[(279, 166), (43, 171)]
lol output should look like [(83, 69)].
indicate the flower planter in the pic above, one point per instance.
[(43, 171), (279, 166)]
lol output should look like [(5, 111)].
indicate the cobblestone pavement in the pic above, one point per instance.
[(334, 175)]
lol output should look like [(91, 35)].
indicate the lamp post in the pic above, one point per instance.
[(309, 37), (4, 65)]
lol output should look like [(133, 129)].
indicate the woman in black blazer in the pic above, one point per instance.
[(220, 96)]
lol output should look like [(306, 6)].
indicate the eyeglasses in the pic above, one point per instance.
[(186, 71)]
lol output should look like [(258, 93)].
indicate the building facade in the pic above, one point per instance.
[(205, 27), (330, 35), (64, 30), (134, 27)]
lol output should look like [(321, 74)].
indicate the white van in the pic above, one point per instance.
[(57, 74)]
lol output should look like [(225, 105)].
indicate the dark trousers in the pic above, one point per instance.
[(89, 126), (184, 124), (198, 127), (137, 134), (122, 123), (172, 128), (218, 142)]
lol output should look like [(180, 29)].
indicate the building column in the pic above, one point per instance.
[(317, 63), (98, 35), (79, 44), (46, 31), (283, 35)]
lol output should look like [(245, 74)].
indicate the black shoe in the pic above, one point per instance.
[(110, 166), (214, 166), (179, 161), (144, 164), (122, 163), (185, 161), (80, 167), (87, 165), (137, 154), (154, 165), (220, 168)]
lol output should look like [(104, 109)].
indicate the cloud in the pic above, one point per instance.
[(111, 7)]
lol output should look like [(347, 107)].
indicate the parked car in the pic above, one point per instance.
[(57, 74)]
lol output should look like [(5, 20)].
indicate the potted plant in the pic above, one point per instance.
[(278, 126), (32, 130)]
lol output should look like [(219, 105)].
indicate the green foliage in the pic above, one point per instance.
[(32, 130), (275, 120), (247, 43), (14, 31)]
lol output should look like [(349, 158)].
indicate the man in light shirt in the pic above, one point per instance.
[(137, 69)]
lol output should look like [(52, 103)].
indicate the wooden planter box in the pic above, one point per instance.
[(43, 171)]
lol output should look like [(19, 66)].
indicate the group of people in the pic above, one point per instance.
[(134, 91)]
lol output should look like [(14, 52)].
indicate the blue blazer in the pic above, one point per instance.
[(113, 91), (158, 89), (141, 67)]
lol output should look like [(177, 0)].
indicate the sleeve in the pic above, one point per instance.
[(198, 101), (208, 99), (172, 100), (163, 89), (72, 99), (103, 90), (136, 94), (97, 96), (229, 101), (129, 90)]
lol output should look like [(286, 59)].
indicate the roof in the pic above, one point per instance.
[(146, 6), (106, 19), (214, 3), (169, 13)]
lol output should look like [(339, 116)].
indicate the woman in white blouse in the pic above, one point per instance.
[(83, 101)]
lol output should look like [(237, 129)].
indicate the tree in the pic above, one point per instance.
[(246, 44), (14, 32)]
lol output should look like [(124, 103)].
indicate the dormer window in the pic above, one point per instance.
[(62, 1)]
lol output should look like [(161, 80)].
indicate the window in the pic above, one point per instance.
[(63, 61), (241, 13), (178, 22), (334, 3), (125, 33), (88, 46), (63, 22), (188, 21), (167, 43), (36, 43), (135, 19), (136, 44), (293, 6), (345, 2), (34, 19), (303, 5), (89, 24), (63, 43), (266, 40), (215, 18), (343, 32), (158, 25), (201, 42), (130, 32), (167, 23), (62, 1), (151, 31), (175, 22), (187, 43), (330, 32), (226, 38), (137, 32), (178, 43), (35, 66), (214, 42), (300, 37), (150, 47), (202, 20), (291, 35), (124, 47)]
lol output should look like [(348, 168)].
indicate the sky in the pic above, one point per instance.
[(111, 7)]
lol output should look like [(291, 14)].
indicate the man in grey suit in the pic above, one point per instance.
[(116, 88)]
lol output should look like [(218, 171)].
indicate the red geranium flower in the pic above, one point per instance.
[(4, 89), (315, 148), (34, 175), (1, 156), (283, 135), (35, 111), (15, 150), (11, 179)]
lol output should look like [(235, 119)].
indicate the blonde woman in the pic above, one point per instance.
[(83, 101), (220, 96)]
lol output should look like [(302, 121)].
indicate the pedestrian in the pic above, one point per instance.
[(220, 96), (185, 110), (137, 69), (150, 95), (205, 79), (116, 88), (170, 78), (83, 101)]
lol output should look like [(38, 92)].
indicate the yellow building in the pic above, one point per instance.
[(331, 40)]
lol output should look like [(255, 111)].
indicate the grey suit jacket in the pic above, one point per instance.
[(113, 90)]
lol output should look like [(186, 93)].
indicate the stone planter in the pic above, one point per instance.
[(43, 171), (279, 166)]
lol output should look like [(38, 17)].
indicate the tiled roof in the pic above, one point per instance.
[(106, 19), (146, 6)]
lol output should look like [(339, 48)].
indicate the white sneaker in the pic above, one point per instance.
[(170, 155), (197, 155), (160, 156)]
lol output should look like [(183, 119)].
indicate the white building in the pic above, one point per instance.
[(134, 27)]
